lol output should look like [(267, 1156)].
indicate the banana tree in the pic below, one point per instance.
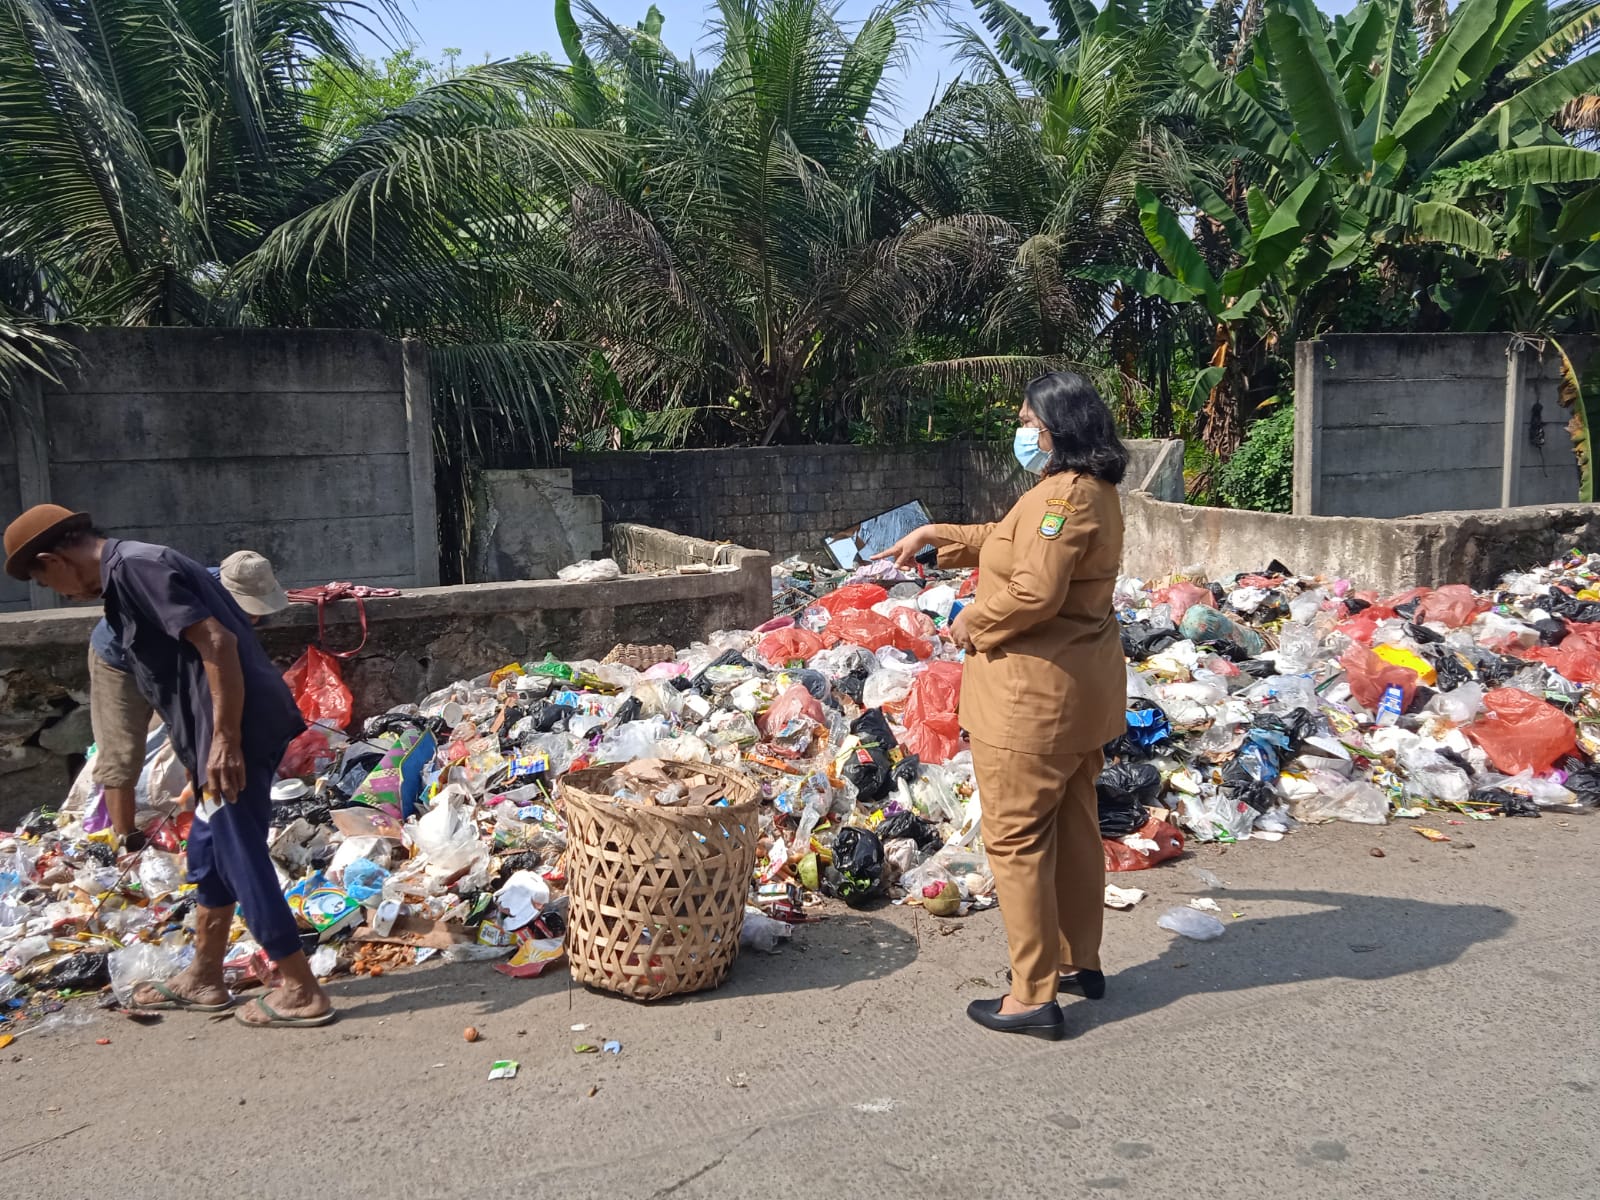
[(1352, 142)]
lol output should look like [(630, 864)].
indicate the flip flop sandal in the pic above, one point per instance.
[(275, 1018), (173, 1002)]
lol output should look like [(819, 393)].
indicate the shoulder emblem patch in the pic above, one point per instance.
[(1051, 525), (1061, 502)]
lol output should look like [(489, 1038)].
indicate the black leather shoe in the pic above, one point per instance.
[(1091, 985), (1044, 1022)]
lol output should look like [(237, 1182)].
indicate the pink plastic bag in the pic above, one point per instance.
[(1522, 732), (796, 703), (1181, 597), (1454, 605)]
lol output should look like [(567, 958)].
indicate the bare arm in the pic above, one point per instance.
[(219, 652)]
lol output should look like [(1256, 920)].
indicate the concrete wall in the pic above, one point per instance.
[(418, 643), (530, 524), (313, 447), (1393, 425), (786, 499), (1389, 555)]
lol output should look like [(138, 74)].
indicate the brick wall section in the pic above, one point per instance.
[(783, 499), (787, 499)]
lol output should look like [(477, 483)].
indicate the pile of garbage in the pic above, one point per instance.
[(436, 830)]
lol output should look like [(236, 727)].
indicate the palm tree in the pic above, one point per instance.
[(759, 254), (1053, 135)]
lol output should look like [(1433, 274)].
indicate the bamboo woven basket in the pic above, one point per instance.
[(657, 893)]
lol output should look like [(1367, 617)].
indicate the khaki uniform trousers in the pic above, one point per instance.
[(1041, 828)]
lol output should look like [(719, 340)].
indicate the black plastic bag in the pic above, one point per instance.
[(856, 874), (1511, 804), (1451, 672), (1422, 635), (1124, 791), (872, 769), (909, 825), (728, 658), (85, 972), (1551, 632), (550, 718), (852, 685), (314, 810), (1140, 641), (1584, 782), (1585, 612), (628, 710)]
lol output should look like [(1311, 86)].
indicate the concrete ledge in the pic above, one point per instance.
[(1474, 547), (417, 643)]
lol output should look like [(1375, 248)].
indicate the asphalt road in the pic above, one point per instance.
[(1417, 1025)]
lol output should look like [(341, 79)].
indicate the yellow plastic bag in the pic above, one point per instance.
[(1398, 656)]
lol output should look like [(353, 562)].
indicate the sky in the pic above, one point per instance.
[(503, 28)]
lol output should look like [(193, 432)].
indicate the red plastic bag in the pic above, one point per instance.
[(1453, 605), (312, 753), (1364, 624), (1368, 676), (1522, 732), (933, 730), (859, 627), (914, 632), (855, 595), (935, 693), (319, 689), (795, 703), (791, 645), (1169, 844), (934, 740), (1578, 656)]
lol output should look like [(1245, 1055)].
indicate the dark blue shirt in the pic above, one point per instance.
[(104, 643), (152, 594)]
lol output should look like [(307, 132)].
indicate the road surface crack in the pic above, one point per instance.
[(705, 1170)]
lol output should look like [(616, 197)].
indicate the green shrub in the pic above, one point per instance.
[(1261, 475)]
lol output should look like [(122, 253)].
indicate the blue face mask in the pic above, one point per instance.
[(1026, 447)]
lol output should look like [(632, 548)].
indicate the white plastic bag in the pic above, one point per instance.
[(446, 834), (601, 570)]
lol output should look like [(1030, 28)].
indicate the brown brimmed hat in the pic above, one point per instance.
[(35, 531)]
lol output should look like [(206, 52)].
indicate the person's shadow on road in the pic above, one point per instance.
[(1345, 937)]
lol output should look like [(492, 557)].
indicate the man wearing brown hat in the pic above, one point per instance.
[(229, 716), (118, 711)]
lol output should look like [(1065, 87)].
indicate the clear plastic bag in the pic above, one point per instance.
[(143, 962), (1191, 923)]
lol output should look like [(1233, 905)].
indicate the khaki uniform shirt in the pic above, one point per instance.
[(1047, 675)]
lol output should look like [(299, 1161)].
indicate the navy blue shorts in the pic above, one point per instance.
[(229, 864)]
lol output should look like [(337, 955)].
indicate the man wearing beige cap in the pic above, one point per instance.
[(121, 715), (229, 717)]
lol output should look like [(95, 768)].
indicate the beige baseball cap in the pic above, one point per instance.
[(248, 577)]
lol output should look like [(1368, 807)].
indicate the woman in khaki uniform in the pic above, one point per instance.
[(1044, 689)]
